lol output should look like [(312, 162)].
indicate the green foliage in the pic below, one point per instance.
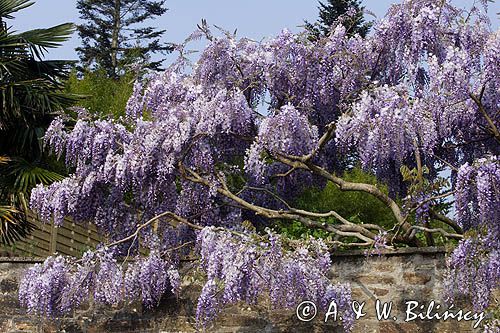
[(115, 35), (334, 10), (12, 226), (31, 92), (357, 207), (24, 175), (100, 95)]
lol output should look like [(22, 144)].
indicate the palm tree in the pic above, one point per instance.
[(31, 93)]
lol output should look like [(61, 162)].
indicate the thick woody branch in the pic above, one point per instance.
[(349, 186), (445, 219), (325, 138), (492, 128), (344, 230), (437, 230)]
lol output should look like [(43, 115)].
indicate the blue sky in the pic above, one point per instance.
[(255, 19)]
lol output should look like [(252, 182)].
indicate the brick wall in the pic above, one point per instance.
[(414, 274)]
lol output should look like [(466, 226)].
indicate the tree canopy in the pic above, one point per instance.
[(114, 35), (349, 13), (194, 169), (101, 95)]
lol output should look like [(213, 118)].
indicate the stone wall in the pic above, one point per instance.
[(397, 277)]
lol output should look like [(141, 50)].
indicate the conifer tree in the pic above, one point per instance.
[(113, 36), (350, 12)]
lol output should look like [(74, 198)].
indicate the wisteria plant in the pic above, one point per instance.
[(210, 155)]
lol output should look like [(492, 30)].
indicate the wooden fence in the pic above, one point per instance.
[(47, 239)]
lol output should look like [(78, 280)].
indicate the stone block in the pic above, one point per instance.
[(416, 278), (380, 291), (375, 279)]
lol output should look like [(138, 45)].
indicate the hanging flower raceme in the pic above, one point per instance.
[(241, 267), (193, 144), (478, 195), (286, 132), (378, 128), (59, 286), (473, 271), (41, 287)]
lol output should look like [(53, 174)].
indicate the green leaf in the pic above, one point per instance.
[(8, 7), (13, 226), (41, 39)]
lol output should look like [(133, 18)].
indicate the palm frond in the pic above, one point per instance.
[(17, 178), (8, 7), (13, 225), (31, 91), (24, 175), (39, 40)]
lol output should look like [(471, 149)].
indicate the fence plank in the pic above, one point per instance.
[(53, 238), (29, 250), (46, 239)]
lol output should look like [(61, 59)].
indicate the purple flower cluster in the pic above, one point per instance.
[(426, 80), (378, 127), (80, 283), (42, 286), (138, 159), (316, 76), (286, 132), (422, 94), (58, 286), (380, 242), (478, 195), (474, 266), (56, 201), (241, 267), (228, 63), (473, 271), (148, 279), (492, 327), (109, 284)]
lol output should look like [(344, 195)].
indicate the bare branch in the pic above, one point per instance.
[(349, 186), (284, 174), (454, 168), (447, 220), (437, 230), (491, 125), (178, 247), (350, 230), (173, 218), (252, 188)]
